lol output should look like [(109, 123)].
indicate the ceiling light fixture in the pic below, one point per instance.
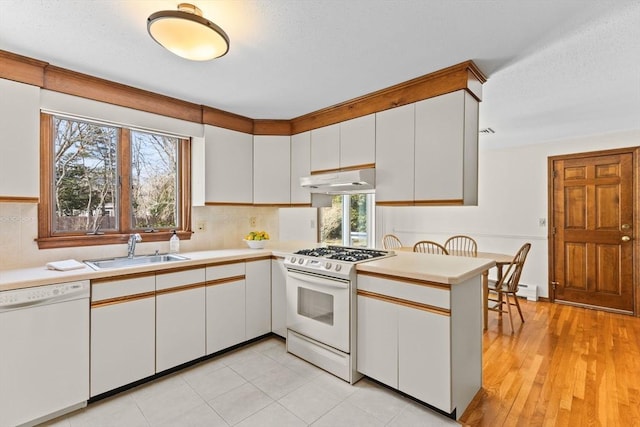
[(186, 33)]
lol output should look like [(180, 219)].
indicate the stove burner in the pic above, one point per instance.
[(343, 253)]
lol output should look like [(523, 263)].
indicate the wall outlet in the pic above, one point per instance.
[(201, 226), (542, 222), (252, 221)]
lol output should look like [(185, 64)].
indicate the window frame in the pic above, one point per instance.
[(346, 220), (47, 238)]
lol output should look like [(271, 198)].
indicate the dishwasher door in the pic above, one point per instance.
[(44, 352)]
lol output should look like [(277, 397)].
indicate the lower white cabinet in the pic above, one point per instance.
[(225, 306), (422, 338), (123, 344), (424, 356), (279, 297), (378, 340), (258, 298), (180, 317)]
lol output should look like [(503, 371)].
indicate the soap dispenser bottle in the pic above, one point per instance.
[(174, 243)]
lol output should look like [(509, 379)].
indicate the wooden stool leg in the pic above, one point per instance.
[(506, 296)]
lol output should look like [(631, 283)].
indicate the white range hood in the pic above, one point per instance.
[(346, 182)]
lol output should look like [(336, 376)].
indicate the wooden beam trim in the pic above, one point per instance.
[(86, 86), (21, 69), (344, 169), (434, 84), (405, 303), (403, 279), (447, 202), (272, 127), (215, 117)]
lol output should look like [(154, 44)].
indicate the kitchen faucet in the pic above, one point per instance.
[(131, 244)]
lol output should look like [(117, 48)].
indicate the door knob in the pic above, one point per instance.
[(626, 238)]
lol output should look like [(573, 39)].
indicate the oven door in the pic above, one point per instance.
[(318, 307)]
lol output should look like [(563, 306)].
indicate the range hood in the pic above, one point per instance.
[(345, 182)]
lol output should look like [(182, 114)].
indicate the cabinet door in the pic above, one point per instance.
[(20, 136), (378, 340), (225, 315), (258, 298), (228, 165), (279, 297), (123, 343), (271, 169), (300, 166), (358, 141), (180, 317), (123, 332), (446, 148), (424, 356), (395, 154), (325, 148)]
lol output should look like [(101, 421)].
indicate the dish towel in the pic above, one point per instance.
[(67, 264)]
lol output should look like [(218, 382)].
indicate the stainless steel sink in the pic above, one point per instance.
[(120, 262)]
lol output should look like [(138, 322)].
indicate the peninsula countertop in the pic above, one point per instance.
[(445, 269)]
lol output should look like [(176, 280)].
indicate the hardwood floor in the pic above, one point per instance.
[(566, 366)]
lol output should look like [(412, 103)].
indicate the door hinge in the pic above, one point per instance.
[(555, 285), (553, 230)]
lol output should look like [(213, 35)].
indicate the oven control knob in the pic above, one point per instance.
[(338, 267), (327, 265), (293, 260), (301, 261)]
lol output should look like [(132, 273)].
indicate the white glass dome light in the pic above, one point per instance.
[(187, 34)]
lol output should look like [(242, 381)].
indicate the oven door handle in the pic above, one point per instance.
[(333, 283)]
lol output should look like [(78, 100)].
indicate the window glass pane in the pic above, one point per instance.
[(331, 222), (154, 180), (85, 176), (359, 220)]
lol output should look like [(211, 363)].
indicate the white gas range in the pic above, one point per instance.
[(321, 306)]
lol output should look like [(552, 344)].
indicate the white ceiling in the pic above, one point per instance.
[(557, 68)]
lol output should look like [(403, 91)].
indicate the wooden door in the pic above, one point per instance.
[(592, 229)]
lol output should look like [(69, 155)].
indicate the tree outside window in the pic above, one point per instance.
[(356, 210), (109, 180)]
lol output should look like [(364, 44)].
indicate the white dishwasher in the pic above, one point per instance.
[(44, 352)]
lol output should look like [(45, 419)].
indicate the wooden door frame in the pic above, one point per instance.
[(635, 151)]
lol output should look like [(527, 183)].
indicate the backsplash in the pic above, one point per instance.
[(224, 228)]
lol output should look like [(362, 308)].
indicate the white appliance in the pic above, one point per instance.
[(44, 352), (321, 306), (341, 182)]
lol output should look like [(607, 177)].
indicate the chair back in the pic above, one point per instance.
[(511, 278), (429, 247), (461, 245), (389, 241)]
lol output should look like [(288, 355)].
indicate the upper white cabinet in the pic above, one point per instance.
[(20, 136), (446, 149), (325, 148), (395, 154), (300, 166), (343, 145), (228, 166), (271, 169), (427, 152), (358, 141)]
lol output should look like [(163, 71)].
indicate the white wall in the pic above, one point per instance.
[(512, 197)]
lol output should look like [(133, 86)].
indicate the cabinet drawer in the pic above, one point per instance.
[(180, 278), (409, 290), (227, 270), (103, 290)]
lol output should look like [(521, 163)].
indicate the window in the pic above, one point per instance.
[(355, 210), (101, 182)]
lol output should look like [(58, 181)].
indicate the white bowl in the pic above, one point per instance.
[(255, 244)]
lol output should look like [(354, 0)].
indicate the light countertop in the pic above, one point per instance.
[(445, 269)]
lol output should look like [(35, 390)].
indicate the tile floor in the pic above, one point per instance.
[(257, 385)]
